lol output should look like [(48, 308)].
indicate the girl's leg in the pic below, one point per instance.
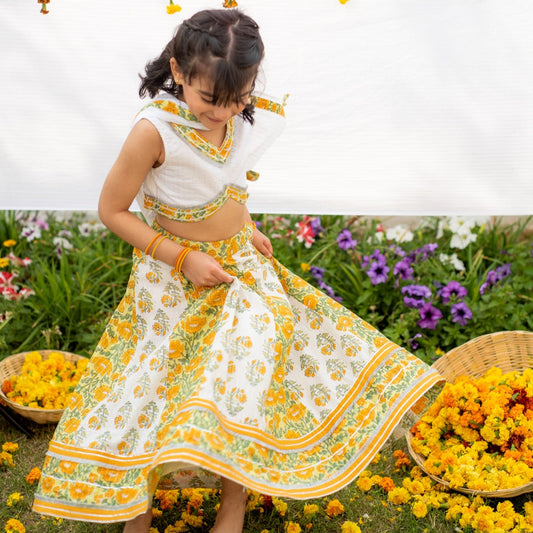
[(230, 516), (140, 524)]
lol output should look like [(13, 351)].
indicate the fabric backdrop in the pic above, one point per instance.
[(401, 107)]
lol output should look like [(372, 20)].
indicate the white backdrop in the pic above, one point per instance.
[(401, 107)]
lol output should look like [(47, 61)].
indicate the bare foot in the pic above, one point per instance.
[(140, 524), (230, 516)]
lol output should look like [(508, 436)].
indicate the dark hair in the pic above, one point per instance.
[(223, 44)]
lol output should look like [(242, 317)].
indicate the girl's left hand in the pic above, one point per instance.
[(262, 243)]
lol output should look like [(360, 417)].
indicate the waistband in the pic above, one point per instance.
[(237, 241)]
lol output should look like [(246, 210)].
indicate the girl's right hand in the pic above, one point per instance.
[(203, 270)]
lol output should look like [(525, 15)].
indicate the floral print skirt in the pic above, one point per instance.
[(266, 381)]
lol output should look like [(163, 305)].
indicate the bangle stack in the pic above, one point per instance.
[(159, 238), (181, 257)]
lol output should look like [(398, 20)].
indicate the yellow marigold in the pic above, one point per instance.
[(34, 475), (192, 520), (310, 509), (4, 261), (280, 506), (334, 508), (9, 243), (398, 496), (419, 509), (10, 447), (292, 527), (179, 527), (156, 513), (14, 498), (350, 527), (364, 483), (14, 526), (6, 459), (173, 8), (305, 267)]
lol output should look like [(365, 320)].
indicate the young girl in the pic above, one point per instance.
[(219, 364)]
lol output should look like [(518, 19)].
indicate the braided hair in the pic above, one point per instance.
[(222, 44)]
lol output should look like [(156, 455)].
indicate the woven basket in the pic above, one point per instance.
[(507, 350), (11, 366)]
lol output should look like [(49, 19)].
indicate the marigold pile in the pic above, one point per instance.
[(44, 383), (479, 432)]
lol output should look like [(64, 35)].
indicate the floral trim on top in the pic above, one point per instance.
[(195, 214), (171, 107), (218, 154), (268, 105)]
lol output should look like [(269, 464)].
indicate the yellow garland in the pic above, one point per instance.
[(44, 384), (479, 432)]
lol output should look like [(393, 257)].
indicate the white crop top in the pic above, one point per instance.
[(197, 177)]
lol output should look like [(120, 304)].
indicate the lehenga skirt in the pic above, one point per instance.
[(265, 380)]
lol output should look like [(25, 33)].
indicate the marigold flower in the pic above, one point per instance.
[(364, 483), (9, 243), (419, 509), (14, 498), (6, 459), (348, 526), (334, 508), (280, 506), (10, 447), (310, 509), (398, 495), (292, 527), (173, 8), (14, 526)]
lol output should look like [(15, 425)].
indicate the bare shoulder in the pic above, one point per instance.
[(145, 139)]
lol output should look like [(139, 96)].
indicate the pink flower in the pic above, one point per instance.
[(305, 232)]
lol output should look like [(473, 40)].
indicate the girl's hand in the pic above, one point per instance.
[(262, 243), (203, 270)]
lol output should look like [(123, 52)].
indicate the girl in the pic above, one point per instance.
[(218, 364)]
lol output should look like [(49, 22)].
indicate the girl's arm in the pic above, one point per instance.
[(260, 240), (142, 149)]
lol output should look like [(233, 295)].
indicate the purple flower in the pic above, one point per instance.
[(429, 316), (316, 226), (403, 269), (378, 272), (453, 289), (397, 250), (494, 276), (345, 240), (415, 295), (503, 271), (317, 272), (461, 313), (414, 343)]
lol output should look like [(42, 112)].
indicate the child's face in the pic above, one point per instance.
[(198, 95)]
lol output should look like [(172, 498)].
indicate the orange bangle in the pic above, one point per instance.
[(151, 242), (152, 253), (181, 257)]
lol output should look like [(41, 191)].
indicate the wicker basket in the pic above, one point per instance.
[(11, 366), (507, 350)]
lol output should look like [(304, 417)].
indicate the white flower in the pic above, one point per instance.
[(399, 234), (462, 240), (462, 224), (31, 231), (453, 260)]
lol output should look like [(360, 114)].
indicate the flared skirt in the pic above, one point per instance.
[(265, 380)]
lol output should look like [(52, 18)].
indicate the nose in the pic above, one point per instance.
[(223, 113)]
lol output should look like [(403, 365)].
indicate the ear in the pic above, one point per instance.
[(176, 71)]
